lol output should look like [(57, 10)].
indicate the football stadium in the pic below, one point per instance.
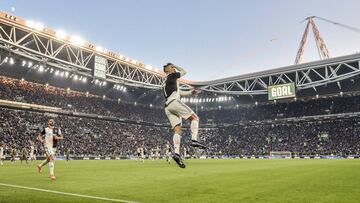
[(82, 123)]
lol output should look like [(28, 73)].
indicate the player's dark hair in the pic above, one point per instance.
[(166, 65)]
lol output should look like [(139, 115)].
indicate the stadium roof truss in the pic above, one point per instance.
[(305, 76), (18, 39)]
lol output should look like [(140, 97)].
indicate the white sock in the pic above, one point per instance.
[(176, 140), (1, 162), (51, 165), (44, 162), (194, 129)]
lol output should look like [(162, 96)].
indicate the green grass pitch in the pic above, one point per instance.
[(233, 180)]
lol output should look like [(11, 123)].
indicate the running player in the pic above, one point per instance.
[(176, 110), (49, 137), (24, 154), (2, 154)]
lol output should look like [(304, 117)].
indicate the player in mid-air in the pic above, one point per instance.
[(49, 137), (176, 110)]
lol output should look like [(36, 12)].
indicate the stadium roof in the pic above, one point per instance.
[(50, 48)]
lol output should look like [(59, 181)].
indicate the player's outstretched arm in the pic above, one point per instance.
[(181, 70), (187, 93)]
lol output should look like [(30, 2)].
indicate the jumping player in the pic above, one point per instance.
[(49, 137), (176, 110)]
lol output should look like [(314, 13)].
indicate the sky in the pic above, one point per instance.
[(211, 39)]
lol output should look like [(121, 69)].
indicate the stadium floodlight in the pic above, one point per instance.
[(39, 26), (124, 90), (84, 79), (341, 93), (23, 63), (151, 105), (30, 64), (149, 67), (75, 77), (256, 103), (77, 40), (104, 83), (295, 98), (96, 81), (104, 96), (11, 61), (22, 79), (30, 23), (57, 72), (41, 68), (99, 49), (68, 89), (135, 103), (60, 34), (317, 96), (237, 105)]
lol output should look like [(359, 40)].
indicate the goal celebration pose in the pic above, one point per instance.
[(51, 135), (176, 110)]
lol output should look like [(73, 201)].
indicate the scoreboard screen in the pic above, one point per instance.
[(100, 67), (281, 91)]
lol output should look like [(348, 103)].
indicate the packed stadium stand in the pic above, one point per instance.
[(249, 134)]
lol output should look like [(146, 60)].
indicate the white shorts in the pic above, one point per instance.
[(50, 150), (176, 110)]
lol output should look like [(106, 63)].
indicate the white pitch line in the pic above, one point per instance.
[(67, 193)]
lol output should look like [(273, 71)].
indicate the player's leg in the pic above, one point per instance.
[(48, 152), (175, 122), (52, 166), (185, 112), (194, 128)]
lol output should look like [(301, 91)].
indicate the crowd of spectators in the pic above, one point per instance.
[(19, 90), (97, 137), (85, 136)]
